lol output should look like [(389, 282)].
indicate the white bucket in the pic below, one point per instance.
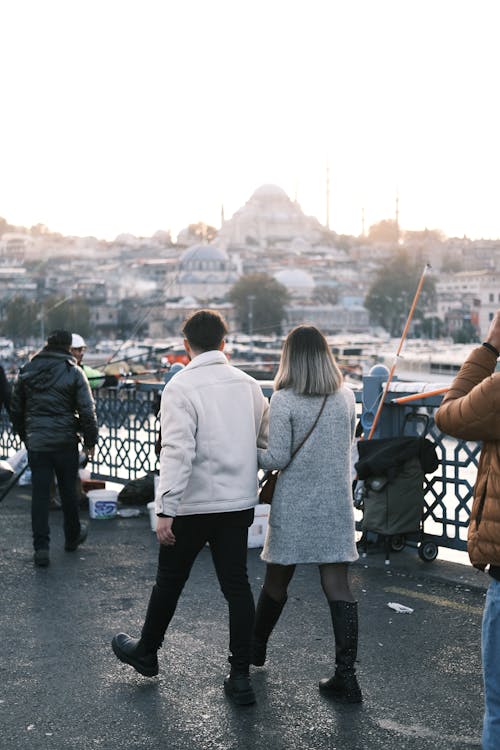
[(153, 518), (257, 531), (102, 503)]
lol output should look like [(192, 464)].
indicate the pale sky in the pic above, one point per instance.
[(138, 115)]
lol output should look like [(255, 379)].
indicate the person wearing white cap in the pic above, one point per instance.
[(77, 347)]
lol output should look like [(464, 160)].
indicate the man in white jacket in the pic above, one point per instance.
[(213, 418)]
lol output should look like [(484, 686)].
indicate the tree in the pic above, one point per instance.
[(390, 296), (430, 327), (326, 295), (202, 231), (424, 236), (452, 264), (71, 314), (384, 231), (39, 230), (24, 318), (467, 334), (260, 303), (20, 319)]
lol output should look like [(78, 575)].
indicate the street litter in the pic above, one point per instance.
[(128, 512), (400, 608)]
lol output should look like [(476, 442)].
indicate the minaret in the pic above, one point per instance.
[(222, 214), (327, 194), (362, 222), (397, 217)]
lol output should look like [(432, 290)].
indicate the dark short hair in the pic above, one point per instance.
[(205, 330), (60, 339)]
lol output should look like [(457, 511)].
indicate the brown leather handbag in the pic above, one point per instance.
[(268, 482)]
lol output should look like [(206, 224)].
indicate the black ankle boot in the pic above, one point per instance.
[(238, 687), (267, 614), (133, 651), (343, 686)]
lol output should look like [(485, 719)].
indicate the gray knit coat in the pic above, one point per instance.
[(311, 518)]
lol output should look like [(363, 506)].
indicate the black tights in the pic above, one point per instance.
[(334, 581)]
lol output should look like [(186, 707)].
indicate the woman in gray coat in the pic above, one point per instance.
[(311, 518)]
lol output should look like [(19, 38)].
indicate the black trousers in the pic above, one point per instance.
[(43, 464), (227, 535)]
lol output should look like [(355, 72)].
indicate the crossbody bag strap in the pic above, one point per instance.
[(297, 449)]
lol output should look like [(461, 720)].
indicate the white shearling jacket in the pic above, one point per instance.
[(213, 418)]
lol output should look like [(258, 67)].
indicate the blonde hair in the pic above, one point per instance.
[(307, 365)]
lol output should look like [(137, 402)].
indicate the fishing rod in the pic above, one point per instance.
[(398, 352), (417, 396)]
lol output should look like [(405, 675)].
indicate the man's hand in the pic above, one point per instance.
[(493, 336), (164, 531)]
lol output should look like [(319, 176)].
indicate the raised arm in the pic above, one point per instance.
[(471, 408)]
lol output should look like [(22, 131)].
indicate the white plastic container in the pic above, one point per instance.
[(153, 518), (257, 531), (102, 503)]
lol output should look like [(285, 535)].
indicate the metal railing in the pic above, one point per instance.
[(128, 429)]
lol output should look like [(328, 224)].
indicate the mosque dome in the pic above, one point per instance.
[(202, 252), (269, 216), (204, 271), (269, 192)]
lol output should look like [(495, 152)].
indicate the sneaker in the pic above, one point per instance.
[(239, 688), (130, 651), (41, 558), (72, 546)]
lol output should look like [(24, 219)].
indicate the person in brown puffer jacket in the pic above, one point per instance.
[(471, 411)]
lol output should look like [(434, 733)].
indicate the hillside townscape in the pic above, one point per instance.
[(267, 268)]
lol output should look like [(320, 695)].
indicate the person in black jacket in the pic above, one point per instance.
[(4, 391), (51, 405)]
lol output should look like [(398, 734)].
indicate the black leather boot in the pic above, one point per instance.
[(343, 686), (267, 614), (238, 687), (132, 651)]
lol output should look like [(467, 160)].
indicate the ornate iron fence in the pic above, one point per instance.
[(128, 429)]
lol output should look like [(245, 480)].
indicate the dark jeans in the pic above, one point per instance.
[(43, 464), (227, 535)]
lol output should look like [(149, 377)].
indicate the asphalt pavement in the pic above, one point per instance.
[(62, 688)]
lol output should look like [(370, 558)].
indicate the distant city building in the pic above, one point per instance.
[(14, 247), (104, 319), (329, 318), (298, 282), (267, 218), (168, 319), (204, 272), (479, 289)]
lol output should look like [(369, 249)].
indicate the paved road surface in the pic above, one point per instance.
[(62, 688)]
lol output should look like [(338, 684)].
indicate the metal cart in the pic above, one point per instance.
[(390, 492)]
